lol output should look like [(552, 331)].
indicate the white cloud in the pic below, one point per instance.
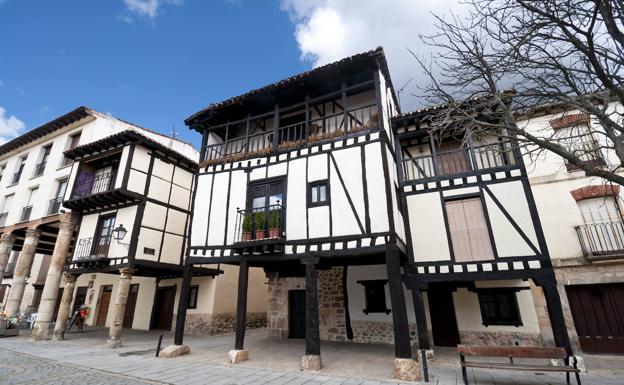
[(146, 8), (10, 126), (329, 30)]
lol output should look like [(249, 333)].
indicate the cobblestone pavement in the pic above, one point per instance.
[(51, 362)]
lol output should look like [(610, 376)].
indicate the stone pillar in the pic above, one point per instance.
[(22, 271), (555, 313), (541, 310), (45, 324), (64, 310), (121, 298), (6, 245), (312, 358)]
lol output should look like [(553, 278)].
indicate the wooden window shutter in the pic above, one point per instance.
[(469, 233)]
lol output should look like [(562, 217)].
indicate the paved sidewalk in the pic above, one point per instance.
[(85, 360)]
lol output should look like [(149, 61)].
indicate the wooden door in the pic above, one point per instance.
[(163, 308), (296, 314), (81, 298), (442, 312), (598, 314), (131, 305), (452, 158), (107, 291)]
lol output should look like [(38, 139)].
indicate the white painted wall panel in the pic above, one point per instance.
[(427, 227), (319, 221), (123, 164), (158, 189), (172, 248), (200, 210), (349, 163), (317, 169), (258, 173), (376, 188), (183, 178), (154, 216), (296, 200), (141, 159), (238, 197), (180, 197), (151, 239), (162, 169), (343, 219), (136, 182), (277, 169), (217, 214), (176, 221)]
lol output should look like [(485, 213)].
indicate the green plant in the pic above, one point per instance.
[(247, 223), (274, 219), (260, 219)]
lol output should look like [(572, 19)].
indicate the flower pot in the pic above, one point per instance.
[(247, 236), (274, 232), (260, 234)]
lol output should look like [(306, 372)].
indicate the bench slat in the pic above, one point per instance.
[(536, 368), (513, 351)]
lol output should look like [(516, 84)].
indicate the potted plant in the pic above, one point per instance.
[(247, 227), (274, 224), (260, 222)]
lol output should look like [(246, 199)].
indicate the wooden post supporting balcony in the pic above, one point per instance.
[(434, 157), (307, 117), (276, 123), (239, 353), (178, 337), (247, 123), (421, 319), (312, 358)]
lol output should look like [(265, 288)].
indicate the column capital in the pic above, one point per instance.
[(69, 277), (7, 237), (126, 272), (34, 233), (67, 225)]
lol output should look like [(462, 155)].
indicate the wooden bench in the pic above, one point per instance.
[(512, 352)]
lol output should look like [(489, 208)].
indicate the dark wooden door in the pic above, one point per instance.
[(81, 298), (452, 158), (163, 308), (296, 314), (598, 314), (131, 305), (107, 291), (442, 312)]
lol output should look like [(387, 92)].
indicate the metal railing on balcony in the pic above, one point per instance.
[(55, 205), (262, 223), (26, 211), (363, 118), (16, 177), (40, 168), (89, 184), (605, 239), (3, 219), (86, 250), (447, 163)]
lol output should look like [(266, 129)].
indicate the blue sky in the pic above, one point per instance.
[(155, 62)]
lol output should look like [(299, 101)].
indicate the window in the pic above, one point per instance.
[(45, 154), (20, 169), (267, 194), (318, 193), (578, 139), (27, 210), (72, 143), (499, 307), (192, 303), (375, 296), (103, 235), (599, 210), (467, 225), (2, 168)]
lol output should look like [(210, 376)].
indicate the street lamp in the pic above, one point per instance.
[(119, 233)]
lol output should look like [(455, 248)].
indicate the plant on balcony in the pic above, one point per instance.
[(372, 122), (247, 227), (291, 144), (260, 221), (327, 135), (274, 223)]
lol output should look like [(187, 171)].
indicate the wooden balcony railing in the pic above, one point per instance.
[(605, 239), (263, 223), (363, 118), (492, 155)]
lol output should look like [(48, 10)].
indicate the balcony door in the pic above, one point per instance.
[(102, 179), (103, 235), (603, 232), (452, 157), (263, 195)]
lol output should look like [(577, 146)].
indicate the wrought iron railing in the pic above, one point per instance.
[(40, 168), (468, 159), (67, 161), (16, 177), (363, 118), (55, 205), (86, 250), (88, 184), (260, 223), (26, 211), (3, 219), (603, 239)]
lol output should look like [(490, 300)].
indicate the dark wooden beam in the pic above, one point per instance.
[(344, 108), (421, 319), (313, 338), (402, 348), (178, 337), (241, 304)]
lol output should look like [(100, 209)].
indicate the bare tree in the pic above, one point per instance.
[(510, 58)]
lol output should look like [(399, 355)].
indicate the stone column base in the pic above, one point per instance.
[(42, 331), (406, 369), (311, 362), (113, 343), (428, 354), (237, 356), (174, 351)]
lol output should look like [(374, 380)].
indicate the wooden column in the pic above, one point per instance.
[(421, 319), (22, 271), (241, 304), (65, 307), (313, 339), (555, 313), (178, 337), (402, 348)]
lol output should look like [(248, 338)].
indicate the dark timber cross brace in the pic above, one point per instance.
[(241, 304), (313, 339), (402, 348)]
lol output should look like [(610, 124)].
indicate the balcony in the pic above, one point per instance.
[(290, 136), (55, 205), (87, 254), (458, 162), (89, 184), (603, 240), (260, 230), (26, 211), (16, 177), (3, 219), (40, 168)]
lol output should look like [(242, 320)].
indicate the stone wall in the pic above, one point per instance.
[(500, 338), (208, 324)]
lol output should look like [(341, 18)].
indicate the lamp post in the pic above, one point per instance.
[(119, 233)]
